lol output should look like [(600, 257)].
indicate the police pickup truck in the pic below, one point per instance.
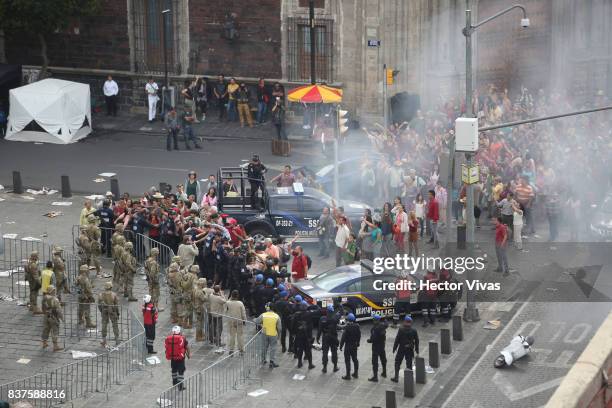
[(285, 211)]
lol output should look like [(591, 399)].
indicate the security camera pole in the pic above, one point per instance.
[(471, 313)]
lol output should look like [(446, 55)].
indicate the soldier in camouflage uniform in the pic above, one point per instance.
[(200, 299), (177, 260), (118, 250), (32, 275), (188, 280), (86, 297), (129, 263), (52, 309), (94, 234), (152, 272), (119, 228), (59, 269), (108, 304), (176, 300), (84, 246)]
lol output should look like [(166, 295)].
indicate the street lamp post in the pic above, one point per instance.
[(471, 313)]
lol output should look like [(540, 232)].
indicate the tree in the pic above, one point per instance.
[(43, 18)]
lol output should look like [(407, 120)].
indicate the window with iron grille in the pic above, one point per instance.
[(298, 50), (149, 35)]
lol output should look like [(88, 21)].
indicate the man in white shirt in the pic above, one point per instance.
[(111, 89), (341, 240), (151, 88)]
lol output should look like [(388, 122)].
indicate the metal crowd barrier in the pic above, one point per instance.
[(78, 379), (222, 376), (15, 258)]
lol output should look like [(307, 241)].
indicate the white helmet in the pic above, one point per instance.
[(176, 330), (147, 298)]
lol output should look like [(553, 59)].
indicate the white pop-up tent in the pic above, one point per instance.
[(49, 111)]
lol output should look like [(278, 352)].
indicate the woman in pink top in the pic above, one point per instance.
[(210, 198)]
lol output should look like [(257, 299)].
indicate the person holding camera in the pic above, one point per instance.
[(255, 173)]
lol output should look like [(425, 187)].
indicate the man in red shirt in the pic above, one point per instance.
[(501, 245), (433, 215), (299, 266)]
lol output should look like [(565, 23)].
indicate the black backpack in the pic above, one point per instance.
[(308, 261)]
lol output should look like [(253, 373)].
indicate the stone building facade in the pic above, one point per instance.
[(568, 46)]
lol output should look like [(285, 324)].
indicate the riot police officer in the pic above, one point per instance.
[(350, 342), (255, 173), (303, 335), (328, 327), (406, 343), (378, 336)]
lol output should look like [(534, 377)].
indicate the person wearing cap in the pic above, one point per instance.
[(32, 276), (149, 319), (86, 297), (173, 277), (107, 221), (129, 263), (152, 273), (328, 327), (59, 270), (271, 326), (217, 308), (255, 173), (378, 337), (108, 304), (237, 312), (406, 343), (52, 310), (350, 342), (177, 348), (95, 248)]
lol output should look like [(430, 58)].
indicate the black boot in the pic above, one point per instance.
[(355, 375), (346, 377), (324, 369), (300, 363), (396, 377), (374, 378), (310, 365), (336, 369), (384, 372)]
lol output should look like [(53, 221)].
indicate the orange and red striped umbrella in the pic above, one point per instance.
[(315, 94)]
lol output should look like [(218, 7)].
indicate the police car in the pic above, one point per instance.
[(358, 289), (285, 211)]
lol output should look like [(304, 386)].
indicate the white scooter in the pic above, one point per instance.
[(519, 347)]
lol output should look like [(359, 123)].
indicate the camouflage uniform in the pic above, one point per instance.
[(152, 272), (118, 251), (93, 234), (199, 298), (59, 269), (177, 261), (32, 275), (85, 297), (187, 282), (129, 263), (52, 310), (84, 246), (108, 304), (176, 300)]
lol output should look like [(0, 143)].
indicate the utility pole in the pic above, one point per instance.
[(311, 9)]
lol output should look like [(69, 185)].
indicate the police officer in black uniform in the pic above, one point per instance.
[(283, 308), (294, 306), (328, 326), (107, 221), (303, 335), (350, 341), (255, 173), (378, 336), (406, 343)]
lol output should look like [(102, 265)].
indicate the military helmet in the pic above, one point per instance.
[(173, 267), (121, 240), (57, 250), (202, 281), (51, 290), (108, 285), (194, 268), (91, 218), (83, 268), (154, 251), (176, 259), (129, 245), (34, 254)]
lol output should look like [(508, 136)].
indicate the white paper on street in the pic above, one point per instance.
[(99, 180), (24, 361), (299, 377), (107, 174), (153, 360), (1, 200), (62, 203), (28, 197), (164, 402), (258, 392), (76, 354), (429, 369)]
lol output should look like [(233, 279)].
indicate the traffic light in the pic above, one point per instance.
[(342, 120), (390, 75)]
